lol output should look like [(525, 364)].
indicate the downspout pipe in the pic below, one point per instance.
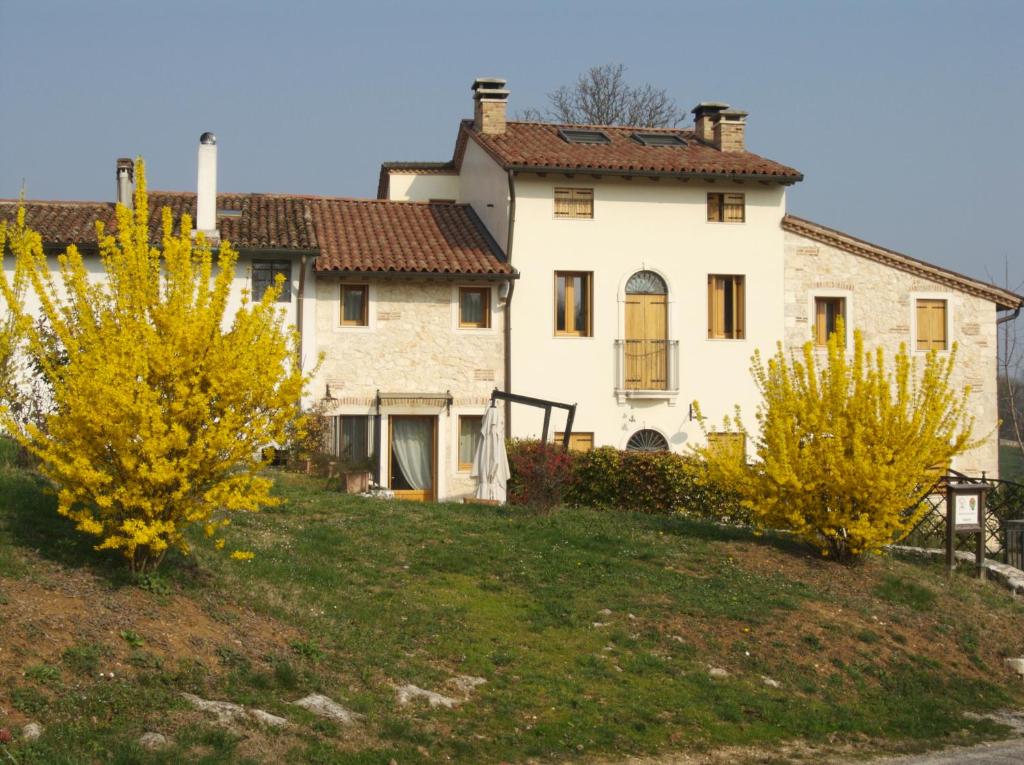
[(1009, 317), (299, 309), (508, 300)]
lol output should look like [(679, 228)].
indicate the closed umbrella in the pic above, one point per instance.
[(490, 463)]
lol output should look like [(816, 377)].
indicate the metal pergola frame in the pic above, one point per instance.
[(544, 404)]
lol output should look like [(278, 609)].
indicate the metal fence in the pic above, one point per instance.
[(1003, 504)]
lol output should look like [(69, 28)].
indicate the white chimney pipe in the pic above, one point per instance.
[(206, 201), (125, 181)]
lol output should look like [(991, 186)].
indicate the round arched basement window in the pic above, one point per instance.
[(646, 283), (647, 441)]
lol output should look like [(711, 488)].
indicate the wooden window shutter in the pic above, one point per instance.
[(563, 203), (931, 325), (574, 203), (820, 322), (738, 303), (714, 207), (713, 303), (735, 208)]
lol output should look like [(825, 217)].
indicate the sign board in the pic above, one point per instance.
[(966, 511), (965, 514)]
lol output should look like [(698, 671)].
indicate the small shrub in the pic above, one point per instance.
[(541, 474), (308, 649), (611, 479), (132, 638), (83, 659)]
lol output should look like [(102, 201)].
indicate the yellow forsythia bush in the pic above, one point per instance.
[(848, 447), (161, 403)]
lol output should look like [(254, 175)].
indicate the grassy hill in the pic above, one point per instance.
[(596, 634)]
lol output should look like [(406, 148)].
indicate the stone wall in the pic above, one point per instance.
[(413, 344), (880, 303)]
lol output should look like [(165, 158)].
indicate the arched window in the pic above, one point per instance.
[(647, 441), (646, 283)]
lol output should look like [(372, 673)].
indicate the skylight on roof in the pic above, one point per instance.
[(659, 139), (576, 135), (229, 213)]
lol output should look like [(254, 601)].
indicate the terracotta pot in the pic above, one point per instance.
[(355, 481)]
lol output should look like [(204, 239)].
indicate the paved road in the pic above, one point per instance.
[(999, 753)]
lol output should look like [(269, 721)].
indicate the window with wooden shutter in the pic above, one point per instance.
[(726, 307), (726, 208), (931, 325), (572, 303), (827, 310), (574, 203), (578, 442), (728, 443)]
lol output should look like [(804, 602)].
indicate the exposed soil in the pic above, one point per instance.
[(42, 617)]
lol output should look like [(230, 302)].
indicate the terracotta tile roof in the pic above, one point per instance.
[(1003, 298), (538, 146), (265, 221), (345, 234), (62, 223), (404, 237)]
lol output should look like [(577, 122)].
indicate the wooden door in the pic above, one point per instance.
[(417, 447), (646, 346)]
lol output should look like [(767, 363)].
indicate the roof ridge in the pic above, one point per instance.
[(304, 197), (82, 202), (808, 227), (598, 127)]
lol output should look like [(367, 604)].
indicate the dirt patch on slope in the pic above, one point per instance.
[(41, 618)]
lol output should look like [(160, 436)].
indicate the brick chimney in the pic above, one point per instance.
[(705, 115), (729, 130), (125, 181), (491, 99)]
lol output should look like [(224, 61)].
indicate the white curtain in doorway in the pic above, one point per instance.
[(413, 445)]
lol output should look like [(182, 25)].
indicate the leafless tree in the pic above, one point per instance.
[(601, 96), (1011, 380)]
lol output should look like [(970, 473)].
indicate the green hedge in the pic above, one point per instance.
[(610, 479)]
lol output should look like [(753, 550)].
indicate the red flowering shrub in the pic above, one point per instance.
[(541, 473)]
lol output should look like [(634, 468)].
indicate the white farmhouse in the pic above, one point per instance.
[(627, 270), (654, 262)]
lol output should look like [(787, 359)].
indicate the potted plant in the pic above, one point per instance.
[(355, 476)]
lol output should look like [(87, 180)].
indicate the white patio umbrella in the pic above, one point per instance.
[(490, 463)]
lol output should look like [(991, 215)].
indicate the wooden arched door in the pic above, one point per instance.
[(646, 346)]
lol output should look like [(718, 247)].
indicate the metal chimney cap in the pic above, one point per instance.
[(208, 138)]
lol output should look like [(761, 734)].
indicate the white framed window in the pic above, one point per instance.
[(825, 307), (356, 303)]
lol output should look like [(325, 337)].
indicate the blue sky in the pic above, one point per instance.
[(905, 117)]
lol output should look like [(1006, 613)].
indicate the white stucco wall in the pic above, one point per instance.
[(484, 185), (413, 344), (881, 303), (422, 187), (641, 224)]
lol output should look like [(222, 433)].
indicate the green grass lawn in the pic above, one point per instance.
[(594, 631)]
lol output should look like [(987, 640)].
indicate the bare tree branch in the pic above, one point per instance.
[(601, 96), (1011, 379)]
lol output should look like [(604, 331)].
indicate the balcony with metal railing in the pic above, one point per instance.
[(646, 369)]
